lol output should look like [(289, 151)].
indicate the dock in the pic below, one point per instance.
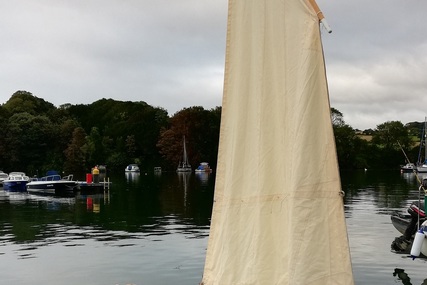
[(93, 187)]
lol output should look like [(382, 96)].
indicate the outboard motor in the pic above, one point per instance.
[(417, 208), (417, 213)]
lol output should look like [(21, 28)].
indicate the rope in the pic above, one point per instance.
[(413, 170), (419, 188)]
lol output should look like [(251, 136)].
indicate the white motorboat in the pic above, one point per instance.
[(16, 182), (53, 185), (132, 168)]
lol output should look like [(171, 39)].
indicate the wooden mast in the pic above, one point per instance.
[(320, 15)]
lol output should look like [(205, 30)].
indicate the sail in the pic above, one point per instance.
[(278, 216)]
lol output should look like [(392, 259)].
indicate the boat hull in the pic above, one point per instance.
[(203, 167), (15, 186), (408, 168), (203, 170), (54, 188), (401, 223)]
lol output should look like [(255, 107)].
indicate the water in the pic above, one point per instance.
[(153, 229), (371, 197)]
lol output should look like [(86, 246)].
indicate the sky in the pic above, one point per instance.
[(171, 54)]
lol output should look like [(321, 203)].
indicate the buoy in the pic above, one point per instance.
[(416, 245), (88, 178)]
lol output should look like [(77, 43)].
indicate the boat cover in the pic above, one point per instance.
[(278, 214)]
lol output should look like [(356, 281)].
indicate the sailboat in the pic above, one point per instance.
[(276, 219), (184, 165), (422, 165)]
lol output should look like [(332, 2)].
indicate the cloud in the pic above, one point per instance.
[(376, 60), (167, 53), (171, 54)]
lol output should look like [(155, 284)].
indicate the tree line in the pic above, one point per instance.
[(388, 146), (36, 136)]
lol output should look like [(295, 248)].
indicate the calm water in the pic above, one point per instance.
[(153, 229)]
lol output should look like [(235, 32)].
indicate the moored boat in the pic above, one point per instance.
[(53, 185), (203, 167), (407, 225), (3, 176), (413, 228), (16, 182), (184, 165), (132, 168), (409, 167)]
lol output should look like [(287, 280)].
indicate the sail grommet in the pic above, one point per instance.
[(342, 193)]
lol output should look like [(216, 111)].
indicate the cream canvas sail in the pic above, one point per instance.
[(278, 215)]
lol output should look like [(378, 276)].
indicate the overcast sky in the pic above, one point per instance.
[(170, 54)]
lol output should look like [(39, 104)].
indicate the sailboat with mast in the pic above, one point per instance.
[(184, 165), (276, 219)]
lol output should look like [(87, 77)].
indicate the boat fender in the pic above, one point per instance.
[(416, 245)]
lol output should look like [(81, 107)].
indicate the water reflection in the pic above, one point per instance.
[(388, 191), (203, 177), (15, 197), (404, 277), (147, 209), (32, 237), (132, 177), (184, 180), (154, 230), (414, 178)]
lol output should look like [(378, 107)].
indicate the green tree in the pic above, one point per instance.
[(25, 102), (131, 146), (390, 138), (75, 153), (337, 118), (349, 148), (94, 147), (3, 131), (392, 134), (28, 141), (118, 121)]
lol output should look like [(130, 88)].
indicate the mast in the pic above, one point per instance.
[(425, 142), (184, 157), (184, 165)]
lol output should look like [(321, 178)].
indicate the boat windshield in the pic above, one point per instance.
[(51, 178)]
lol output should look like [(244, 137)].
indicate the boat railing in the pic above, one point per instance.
[(50, 178), (17, 178), (68, 177)]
